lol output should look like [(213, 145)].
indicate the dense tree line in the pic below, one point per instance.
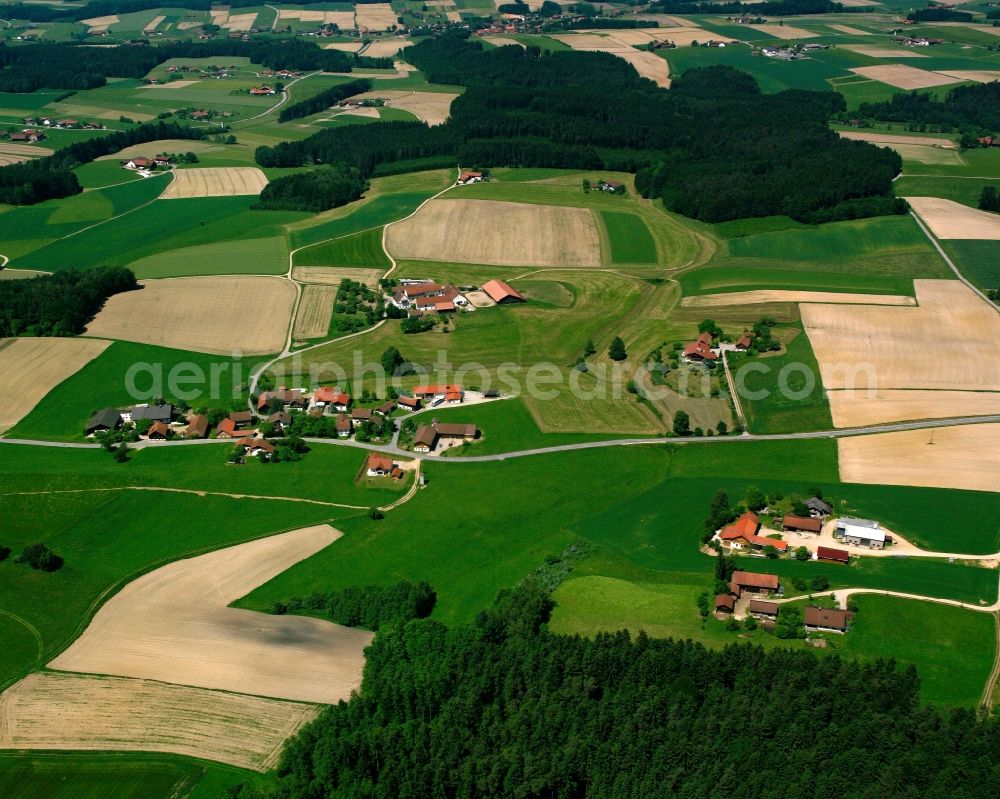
[(315, 191), (976, 106), (60, 304), (370, 606), (504, 708), (781, 8), (324, 99), (52, 177), (71, 66), (938, 14), (598, 23), (713, 148)]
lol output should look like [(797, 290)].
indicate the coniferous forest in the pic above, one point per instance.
[(504, 708), (714, 147)]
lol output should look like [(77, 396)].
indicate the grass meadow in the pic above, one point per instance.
[(358, 249), (629, 238), (978, 260)]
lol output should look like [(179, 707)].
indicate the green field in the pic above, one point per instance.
[(629, 237), (250, 256), (961, 190), (359, 249), (358, 217), (803, 406), (978, 260)]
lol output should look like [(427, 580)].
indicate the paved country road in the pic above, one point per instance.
[(616, 442)]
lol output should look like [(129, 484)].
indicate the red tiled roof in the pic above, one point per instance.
[(706, 337), (802, 523), (499, 291), (226, 426), (699, 349), (159, 428), (754, 580), (743, 342), (408, 402), (332, 395), (829, 553), (724, 602), (761, 606), (453, 396), (343, 422), (430, 391), (747, 524), (378, 462)]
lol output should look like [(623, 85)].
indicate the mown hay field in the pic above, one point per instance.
[(315, 311), (489, 232), (90, 712), (903, 76), (334, 275), (948, 219), (965, 457), (204, 314), (31, 367), (214, 182), (11, 153)]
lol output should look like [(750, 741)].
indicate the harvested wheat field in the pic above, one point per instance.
[(101, 22), (489, 232), (978, 75), (784, 31), (174, 625), (240, 22), (779, 295), (501, 41), (892, 138), (386, 48), (334, 275), (174, 84), (375, 16), (315, 312), (849, 30), (948, 219), (163, 145), (430, 107), (952, 341), (874, 51), (859, 408), (153, 24), (31, 367), (90, 712), (225, 181), (342, 19), (16, 153), (592, 41), (965, 456), (904, 77), (205, 314), (649, 65)]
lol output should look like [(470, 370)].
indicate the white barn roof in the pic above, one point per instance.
[(864, 533)]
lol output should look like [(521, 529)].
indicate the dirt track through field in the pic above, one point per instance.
[(31, 367), (952, 341), (88, 712), (312, 319), (779, 295), (174, 625), (205, 314), (490, 232), (857, 409), (948, 219), (215, 182), (965, 457)]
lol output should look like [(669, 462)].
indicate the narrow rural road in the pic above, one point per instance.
[(986, 703), (735, 395)]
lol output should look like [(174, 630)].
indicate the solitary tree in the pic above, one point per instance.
[(616, 352), (989, 200), (682, 423), (392, 359)]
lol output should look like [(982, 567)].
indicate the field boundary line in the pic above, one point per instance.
[(940, 250), (986, 703), (735, 395), (39, 643)]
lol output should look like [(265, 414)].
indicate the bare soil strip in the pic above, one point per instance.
[(965, 457), (490, 232), (952, 341), (315, 311), (948, 219), (174, 625), (904, 77), (784, 31), (31, 367), (215, 182), (204, 314), (88, 712), (891, 138), (778, 295), (858, 409)]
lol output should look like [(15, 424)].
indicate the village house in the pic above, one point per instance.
[(752, 583), (255, 446), (743, 343), (825, 619), (802, 524), (700, 350), (470, 177), (344, 426), (724, 603), (242, 419), (280, 420), (456, 431), (105, 419), (762, 609), (436, 392), (861, 533), (410, 403), (361, 415), (382, 466), (197, 426), (162, 160), (331, 400), (226, 429), (502, 293), (831, 555), (425, 439), (818, 507), (158, 431), (742, 534), (29, 135), (385, 408), (290, 399)]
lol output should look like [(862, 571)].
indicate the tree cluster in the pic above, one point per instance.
[(40, 558), (783, 8), (324, 99), (60, 304), (313, 191), (370, 606), (938, 14), (976, 106), (101, 8), (503, 707), (989, 199)]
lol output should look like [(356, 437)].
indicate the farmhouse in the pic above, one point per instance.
[(802, 524), (724, 603), (197, 426), (818, 507), (502, 293), (826, 619), (743, 343), (742, 534), (226, 429), (242, 419), (343, 425), (106, 419), (425, 439), (138, 163), (382, 466), (157, 413), (293, 399), (432, 392), (699, 351), (464, 432), (861, 533), (259, 91), (255, 446), (752, 583), (833, 555), (331, 399), (470, 177), (385, 408), (158, 431), (279, 420), (762, 609), (359, 415), (410, 403)]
